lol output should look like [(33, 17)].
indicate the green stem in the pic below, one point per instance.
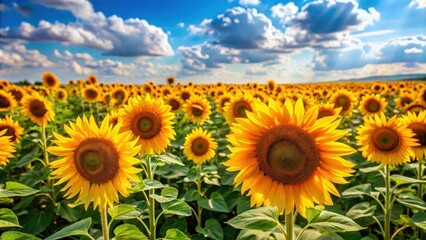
[(289, 226), (46, 161), (399, 230), (420, 177), (199, 208), (151, 201), (104, 220), (387, 203)]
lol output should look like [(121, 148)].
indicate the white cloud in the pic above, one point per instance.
[(18, 56), (249, 2), (417, 4), (373, 33), (80, 8), (413, 50), (181, 25), (284, 11)]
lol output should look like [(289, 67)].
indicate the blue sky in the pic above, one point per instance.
[(233, 41)]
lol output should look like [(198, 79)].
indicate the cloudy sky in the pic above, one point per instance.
[(205, 41)]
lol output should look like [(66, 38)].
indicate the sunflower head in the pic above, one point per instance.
[(386, 142), (417, 123), (327, 109), (61, 95), (175, 102), (50, 80), (7, 101), (38, 109), (199, 146), (13, 129), (345, 100), (6, 148), (372, 104), (91, 93), (119, 97), (92, 80), (150, 121), (197, 109), (286, 157), (17, 92), (170, 80), (96, 162), (238, 106)]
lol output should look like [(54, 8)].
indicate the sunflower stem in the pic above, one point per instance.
[(104, 220), (289, 226), (151, 201), (46, 162), (420, 177), (387, 203)]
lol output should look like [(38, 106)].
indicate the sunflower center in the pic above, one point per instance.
[(240, 109), (224, 101), (97, 160), (385, 139), (200, 146), (325, 113), (37, 108), (406, 101), (146, 124), (50, 81), (197, 110), (185, 96), (418, 129), (4, 102), (91, 93), (175, 104), (17, 94), (10, 131), (372, 105), (287, 154), (343, 101)]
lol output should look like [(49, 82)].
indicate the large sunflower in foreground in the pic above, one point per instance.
[(385, 142), (286, 157), (199, 146), (372, 104), (197, 109), (37, 108), (96, 162), (417, 123), (13, 129), (150, 120), (6, 148)]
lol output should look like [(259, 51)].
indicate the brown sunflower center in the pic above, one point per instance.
[(325, 113), (343, 101), (97, 160), (197, 109), (287, 154), (146, 125), (224, 100), (185, 96), (175, 104), (200, 146), (372, 105), (10, 131), (419, 130), (50, 81), (240, 109), (4, 102), (17, 94), (406, 101), (91, 94), (37, 108), (385, 139)]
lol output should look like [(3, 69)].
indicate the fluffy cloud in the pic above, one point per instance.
[(18, 56), (113, 35), (249, 2), (284, 11), (418, 4)]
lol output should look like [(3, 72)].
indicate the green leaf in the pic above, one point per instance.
[(251, 234), (79, 228), (216, 203), (43, 218), (313, 213), (15, 189), (363, 189), (212, 229), (128, 232), (120, 210), (169, 158), (193, 174), (370, 169), (175, 234), (8, 218), (361, 210), (333, 222), (400, 180), (167, 194), (191, 195), (68, 213), (263, 218), (411, 201), (28, 158), (177, 207), (13, 235), (148, 184), (419, 220)]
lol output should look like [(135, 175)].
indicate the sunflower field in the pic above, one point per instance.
[(89, 160)]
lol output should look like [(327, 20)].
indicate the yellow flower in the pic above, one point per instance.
[(37, 108), (96, 162), (6, 148), (285, 157), (372, 104), (345, 100), (417, 123), (197, 109), (50, 80), (327, 109), (199, 146), (61, 95), (385, 142), (150, 120), (238, 107), (13, 129), (119, 97), (91, 94), (7, 101), (175, 102)]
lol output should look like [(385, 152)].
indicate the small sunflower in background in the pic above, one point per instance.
[(238, 106), (417, 124), (61, 95), (150, 121), (37, 108), (6, 148), (385, 142), (415, 107), (372, 104), (119, 96), (50, 80), (92, 80), (170, 80), (221, 102), (91, 94), (327, 110), (114, 117), (199, 146), (7, 101), (17, 92), (197, 109), (175, 102), (344, 99), (287, 158), (96, 162), (403, 100), (13, 129)]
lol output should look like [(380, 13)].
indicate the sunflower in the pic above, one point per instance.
[(199, 146), (38, 109), (403, 100), (327, 109), (6, 148), (221, 102), (170, 80), (197, 109), (417, 123), (92, 80), (286, 157), (150, 121), (7, 101), (415, 107), (91, 94), (238, 107), (345, 100), (13, 129), (96, 162), (50, 80), (386, 142), (17, 92), (114, 117), (61, 95), (119, 97), (372, 104), (175, 102)]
